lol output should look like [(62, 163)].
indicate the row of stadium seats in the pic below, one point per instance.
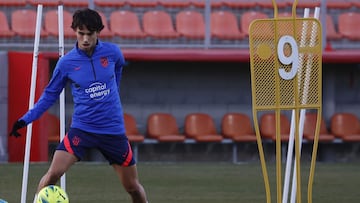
[(185, 3), (158, 24), (235, 127)]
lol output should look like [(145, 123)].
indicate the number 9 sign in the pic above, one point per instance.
[(287, 60)]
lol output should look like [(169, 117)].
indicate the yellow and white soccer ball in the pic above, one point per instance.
[(52, 194)]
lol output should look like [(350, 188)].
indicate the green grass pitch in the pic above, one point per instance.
[(186, 182)]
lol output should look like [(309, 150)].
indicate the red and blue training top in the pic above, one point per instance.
[(95, 82)]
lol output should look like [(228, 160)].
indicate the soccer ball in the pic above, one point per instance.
[(52, 194), (3, 201)]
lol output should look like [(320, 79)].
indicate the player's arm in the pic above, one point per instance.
[(47, 99)]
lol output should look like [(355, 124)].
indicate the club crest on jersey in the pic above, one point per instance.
[(104, 62), (97, 91)]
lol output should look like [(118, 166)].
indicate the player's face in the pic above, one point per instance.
[(86, 39)]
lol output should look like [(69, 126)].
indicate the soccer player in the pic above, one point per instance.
[(93, 68)]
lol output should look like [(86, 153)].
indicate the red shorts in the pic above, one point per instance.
[(115, 148)]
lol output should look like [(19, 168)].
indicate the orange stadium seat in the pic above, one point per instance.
[(345, 126), (249, 16), (268, 126), (224, 25), (331, 33), (201, 127), (106, 32), (132, 131), (126, 24), (158, 24), (23, 23), (175, 3), (163, 127), (13, 2), (52, 27), (190, 24), (4, 26), (310, 126), (237, 126), (110, 3), (349, 25)]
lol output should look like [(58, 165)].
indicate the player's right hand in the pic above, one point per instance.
[(17, 125)]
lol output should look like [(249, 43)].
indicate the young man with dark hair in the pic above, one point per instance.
[(94, 70)]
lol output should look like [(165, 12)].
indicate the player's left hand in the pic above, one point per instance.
[(17, 125)]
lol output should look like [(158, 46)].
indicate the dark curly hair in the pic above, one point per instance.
[(87, 18)]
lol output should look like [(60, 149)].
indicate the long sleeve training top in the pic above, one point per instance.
[(95, 83)]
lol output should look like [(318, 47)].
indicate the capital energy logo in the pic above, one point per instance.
[(97, 91)]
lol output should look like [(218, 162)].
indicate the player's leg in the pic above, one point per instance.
[(129, 178), (61, 162), (117, 151), (69, 151)]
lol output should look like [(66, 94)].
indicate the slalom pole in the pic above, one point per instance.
[(31, 103), (62, 95), (289, 157), (304, 98)]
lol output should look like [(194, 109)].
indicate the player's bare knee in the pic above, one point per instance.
[(53, 177), (134, 189)]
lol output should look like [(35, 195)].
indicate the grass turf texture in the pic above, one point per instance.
[(186, 182)]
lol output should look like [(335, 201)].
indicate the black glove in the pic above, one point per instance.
[(17, 125)]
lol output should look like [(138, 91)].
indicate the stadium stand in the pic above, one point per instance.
[(5, 31), (349, 25), (224, 25), (201, 127), (126, 19), (190, 24), (163, 128), (268, 126), (310, 126), (23, 23), (238, 127), (158, 24), (51, 23), (132, 131), (346, 126)]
